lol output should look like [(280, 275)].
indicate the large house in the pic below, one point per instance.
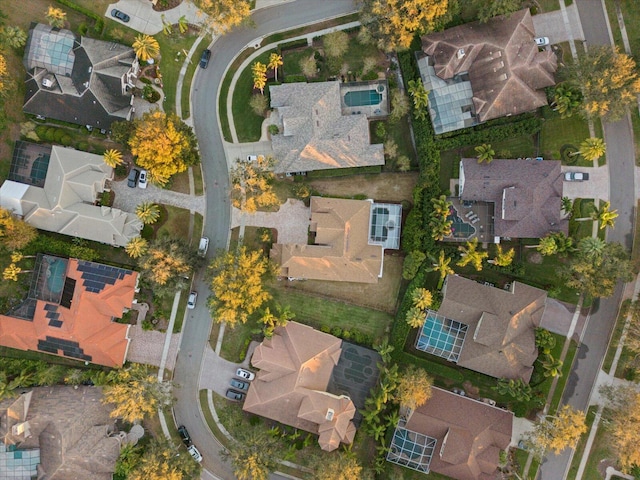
[(484, 328), (78, 80), (70, 311), (58, 433), (524, 196), (452, 435), (315, 133), (479, 71), (57, 191), (349, 243), (296, 366)]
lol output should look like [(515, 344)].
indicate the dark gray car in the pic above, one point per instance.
[(239, 384), (132, 180), (234, 395)]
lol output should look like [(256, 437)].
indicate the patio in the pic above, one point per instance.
[(470, 220)]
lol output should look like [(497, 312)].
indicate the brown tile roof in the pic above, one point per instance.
[(315, 134), (295, 368), (500, 341), (71, 428), (88, 323), (341, 251), (506, 70), (527, 194), (470, 434)]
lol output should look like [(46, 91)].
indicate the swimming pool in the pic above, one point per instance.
[(362, 98), (56, 275), (441, 336), (460, 228)]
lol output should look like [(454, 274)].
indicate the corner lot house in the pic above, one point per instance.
[(315, 133), (70, 311), (57, 191), (78, 80), (479, 71), (349, 241), (296, 365), (58, 433), (523, 197), (484, 328), (452, 435)]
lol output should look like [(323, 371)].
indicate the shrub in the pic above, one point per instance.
[(83, 28), (295, 78), (145, 80), (41, 131), (84, 146), (147, 325), (325, 328), (273, 129), (66, 140), (49, 135), (373, 75), (336, 332)]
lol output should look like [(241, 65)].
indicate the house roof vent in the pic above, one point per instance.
[(460, 53), (329, 415), (47, 82)]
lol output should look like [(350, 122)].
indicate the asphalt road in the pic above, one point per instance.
[(621, 163), (204, 94)]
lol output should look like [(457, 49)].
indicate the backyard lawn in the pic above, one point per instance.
[(557, 132)]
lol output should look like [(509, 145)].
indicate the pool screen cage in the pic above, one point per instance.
[(40, 276), (30, 163), (441, 336), (411, 449)]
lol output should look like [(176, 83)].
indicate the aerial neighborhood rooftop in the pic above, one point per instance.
[(395, 243)]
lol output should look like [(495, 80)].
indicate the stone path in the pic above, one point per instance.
[(291, 221), (127, 199)]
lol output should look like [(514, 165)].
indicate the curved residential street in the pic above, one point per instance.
[(204, 95)]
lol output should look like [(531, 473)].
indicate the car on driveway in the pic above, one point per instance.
[(542, 41), (191, 302), (132, 179), (184, 435), (115, 13), (193, 451), (240, 385), (245, 374), (575, 176), (234, 395), (142, 181), (204, 58)]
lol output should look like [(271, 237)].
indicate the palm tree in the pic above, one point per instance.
[(566, 99), (441, 265), (552, 367), (11, 272), (421, 298), (441, 206), (167, 28), (547, 246), (12, 36), (592, 247), (275, 61), (514, 388), (146, 47), (503, 259), (415, 317), (183, 24), (567, 204), (440, 228), (148, 213), (591, 149), (112, 157), (471, 255), (484, 153), (259, 71), (56, 17), (384, 350), (605, 216), (136, 247), (420, 98)]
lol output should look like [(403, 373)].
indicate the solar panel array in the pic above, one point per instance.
[(53, 315), (96, 276), (68, 347)]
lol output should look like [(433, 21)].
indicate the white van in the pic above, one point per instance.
[(203, 246)]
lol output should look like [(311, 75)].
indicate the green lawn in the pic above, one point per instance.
[(566, 370), (577, 456), (600, 450), (291, 60), (512, 148), (557, 132), (615, 337)]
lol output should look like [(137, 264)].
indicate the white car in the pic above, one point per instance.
[(252, 158), (142, 179), (191, 302), (203, 246), (542, 41), (193, 451), (246, 374)]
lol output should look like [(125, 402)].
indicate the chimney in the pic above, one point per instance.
[(460, 53), (329, 415)]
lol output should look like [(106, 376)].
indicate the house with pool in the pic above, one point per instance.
[(508, 198), (325, 125), (486, 329), (452, 435)]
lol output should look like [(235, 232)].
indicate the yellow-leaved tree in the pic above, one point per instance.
[(252, 184), (163, 145), (14, 232), (163, 461), (623, 414), (557, 432), (167, 265), (253, 455), (237, 285), (393, 23), (414, 388), (220, 16), (3, 72)]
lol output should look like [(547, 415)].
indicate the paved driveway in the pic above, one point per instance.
[(127, 199), (145, 20), (552, 25), (216, 371), (291, 221), (596, 187)]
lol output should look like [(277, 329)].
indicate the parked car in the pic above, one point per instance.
[(186, 438), (204, 58), (458, 391), (193, 451), (252, 158), (235, 395), (542, 41), (115, 13), (191, 302), (132, 179), (245, 374), (235, 383), (203, 246), (576, 176), (142, 181)]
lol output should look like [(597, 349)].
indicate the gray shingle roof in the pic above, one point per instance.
[(315, 134)]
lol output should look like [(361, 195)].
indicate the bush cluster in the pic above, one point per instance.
[(97, 27), (353, 336)]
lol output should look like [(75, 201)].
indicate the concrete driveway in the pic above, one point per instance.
[(127, 199), (145, 20), (291, 221), (596, 187), (216, 372), (241, 150), (556, 26)]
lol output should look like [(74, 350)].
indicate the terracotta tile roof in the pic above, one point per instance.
[(341, 251), (500, 341), (295, 368), (527, 194), (505, 68), (469, 434), (315, 134), (85, 329)]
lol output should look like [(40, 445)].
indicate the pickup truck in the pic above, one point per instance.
[(203, 246), (576, 176)]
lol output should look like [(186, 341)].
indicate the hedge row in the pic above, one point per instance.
[(99, 25), (341, 172)]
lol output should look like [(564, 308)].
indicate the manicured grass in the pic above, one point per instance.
[(236, 340), (291, 60), (566, 370), (579, 229), (548, 5), (197, 230), (180, 182), (400, 133), (449, 168), (557, 132), (600, 450), (635, 251), (615, 337), (177, 222), (213, 426), (523, 146)]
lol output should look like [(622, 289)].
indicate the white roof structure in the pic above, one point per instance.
[(66, 203)]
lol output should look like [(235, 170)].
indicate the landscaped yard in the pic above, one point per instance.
[(557, 132), (384, 187)]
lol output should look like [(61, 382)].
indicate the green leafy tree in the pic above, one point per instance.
[(12, 36), (492, 8), (604, 215), (14, 232), (259, 104), (484, 153), (399, 105), (220, 16), (336, 44), (623, 417), (162, 461), (308, 66), (412, 263), (471, 255), (167, 265), (338, 466), (557, 432)]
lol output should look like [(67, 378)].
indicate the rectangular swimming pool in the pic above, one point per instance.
[(441, 336), (362, 98)]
